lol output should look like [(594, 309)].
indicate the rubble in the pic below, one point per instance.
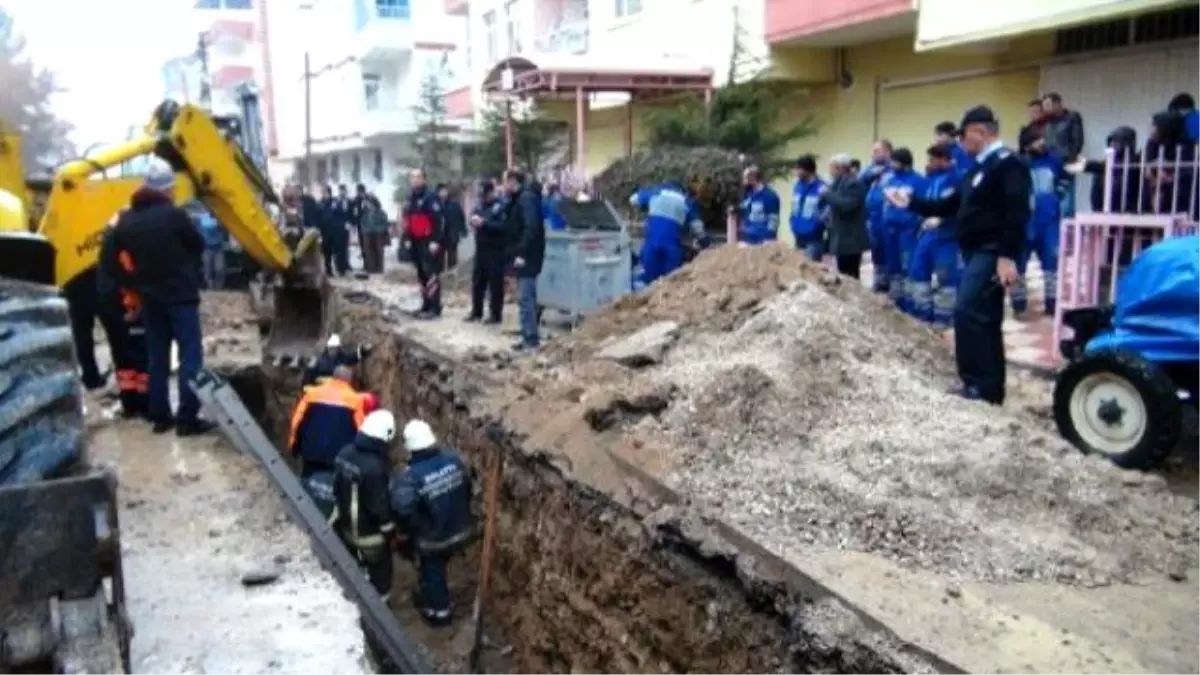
[(644, 348), (813, 417)]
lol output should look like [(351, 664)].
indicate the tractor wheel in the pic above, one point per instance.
[(1117, 404), (41, 412)]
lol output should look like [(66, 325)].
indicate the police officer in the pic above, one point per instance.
[(326, 419), (422, 237), (489, 221), (362, 516), (669, 209), (991, 208), (330, 358), (431, 499)]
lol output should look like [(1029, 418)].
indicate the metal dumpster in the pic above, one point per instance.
[(589, 264)]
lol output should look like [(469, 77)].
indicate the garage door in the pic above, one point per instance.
[(1121, 91), (908, 113)]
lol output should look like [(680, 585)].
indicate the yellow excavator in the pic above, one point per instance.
[(61, 586)]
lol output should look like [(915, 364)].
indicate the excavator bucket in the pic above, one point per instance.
[(292, 309)]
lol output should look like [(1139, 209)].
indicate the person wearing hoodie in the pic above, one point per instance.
[(875, 176), (902, 225), (362, 513), (526, 223), (162, 247), (1184, 104), (936, 253), (1049, 179), (431, 498), (808, 218)]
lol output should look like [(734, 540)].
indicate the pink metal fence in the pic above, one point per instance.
[(1147, 196)]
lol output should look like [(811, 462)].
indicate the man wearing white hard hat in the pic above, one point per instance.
[(431, 500), (331, 357), (362, 516)]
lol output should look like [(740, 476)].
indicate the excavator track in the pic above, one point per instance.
[(240, 427)]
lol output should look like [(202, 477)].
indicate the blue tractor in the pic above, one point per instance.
[(1129, 389)]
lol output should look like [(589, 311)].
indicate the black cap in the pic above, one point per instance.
[(939, 151), (980, 114), (903, 156), (807, 163)]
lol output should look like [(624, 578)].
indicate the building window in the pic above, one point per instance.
[(237, 4), (335, 169), (377, 164), (371, 85), (512, 24), (356, 168), (1164, 26), (493, 47), (628, 7), (392, 9), (208, 4)]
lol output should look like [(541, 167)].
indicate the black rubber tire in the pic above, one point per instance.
[(1164, 412), (41, 406)]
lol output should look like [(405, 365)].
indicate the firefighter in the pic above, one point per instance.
[(119, 309), (326, 419), (330, 358), (423, 238), (431, 499), (362, 516)]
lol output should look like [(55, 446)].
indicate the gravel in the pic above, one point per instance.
[(817, 425)]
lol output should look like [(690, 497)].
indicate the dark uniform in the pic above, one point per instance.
[(491, 246), (326, 419), (431, 500), (363, 518), (328, 361), (120, 312), (423, 219), (991, 209)]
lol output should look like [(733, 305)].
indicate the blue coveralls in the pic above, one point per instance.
[(902, 227), (431, 498), (963, 161), (668, 209), (807, 220), (875, 176), (759, 216), (937, 254), (554, 220), (1041, 234)]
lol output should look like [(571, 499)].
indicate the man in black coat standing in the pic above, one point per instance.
[(992, 207), (529, 251)]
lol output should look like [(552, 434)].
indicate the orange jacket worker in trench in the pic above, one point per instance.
[(326, 419)]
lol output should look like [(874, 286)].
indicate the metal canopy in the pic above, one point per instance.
[(567, 75)]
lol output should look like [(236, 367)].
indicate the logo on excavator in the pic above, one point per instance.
[(92, 243)]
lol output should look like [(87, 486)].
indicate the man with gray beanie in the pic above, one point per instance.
[(158, 251)]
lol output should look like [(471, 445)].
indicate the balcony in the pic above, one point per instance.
[(456, 7), (822, 23), (566, 38), (383, 29), (387, 121)]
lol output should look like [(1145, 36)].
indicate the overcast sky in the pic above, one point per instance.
[(111, 69)]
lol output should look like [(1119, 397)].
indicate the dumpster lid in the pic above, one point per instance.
[(592, 215)]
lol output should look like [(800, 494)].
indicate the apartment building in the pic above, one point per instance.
[(366, 61)]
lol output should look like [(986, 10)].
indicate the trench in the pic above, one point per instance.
[(584, 582)]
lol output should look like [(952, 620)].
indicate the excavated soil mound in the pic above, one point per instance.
[(805, 411)]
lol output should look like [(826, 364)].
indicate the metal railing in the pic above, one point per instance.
[(1144, 197)]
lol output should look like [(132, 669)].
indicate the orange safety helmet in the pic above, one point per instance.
[(370, 402)]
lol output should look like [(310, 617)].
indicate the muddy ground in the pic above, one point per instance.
[(196, 517), (802, 414)]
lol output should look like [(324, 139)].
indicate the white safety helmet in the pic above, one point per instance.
[(418, 436), (380, 425), (334, 341)]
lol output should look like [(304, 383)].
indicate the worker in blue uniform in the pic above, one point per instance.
[(1049, 179), (807, 219), (759, 212), (946, 133), (875, 175), (325, 420), (936, 253), (902, 225), (431, 500), (668, 209)]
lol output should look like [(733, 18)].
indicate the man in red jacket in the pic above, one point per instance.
[(422, 237)]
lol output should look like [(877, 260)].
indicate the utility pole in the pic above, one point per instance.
[(309, 169), (205, 84)]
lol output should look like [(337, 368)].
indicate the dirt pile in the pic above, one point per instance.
[(813, 417)]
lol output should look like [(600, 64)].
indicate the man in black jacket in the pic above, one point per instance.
[(163, 247), (362, 516), (454, 226), (992, 208), (491, 246), (528, 252)]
